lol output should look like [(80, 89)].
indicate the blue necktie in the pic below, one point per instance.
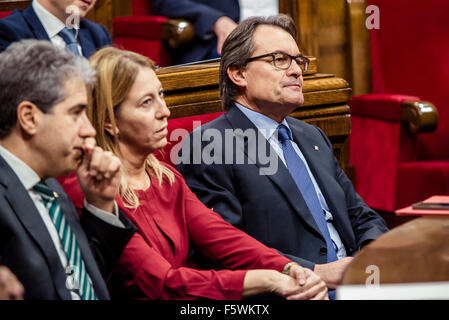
[(70, 40), (300, 175)]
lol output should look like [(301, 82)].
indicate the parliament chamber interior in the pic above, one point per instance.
[(377, 86)]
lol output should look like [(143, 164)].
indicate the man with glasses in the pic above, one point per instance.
[(306, 208)]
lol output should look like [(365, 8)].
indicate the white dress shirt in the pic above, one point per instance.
[(29, 179), (268, 127), (250, 8), (52, 25)]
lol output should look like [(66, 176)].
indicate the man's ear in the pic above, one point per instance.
[(29, 116), (237, 75), (108, 127)]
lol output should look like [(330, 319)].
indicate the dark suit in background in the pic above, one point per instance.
[(25, 24), (202, 14), (270, 208), (28, 250)]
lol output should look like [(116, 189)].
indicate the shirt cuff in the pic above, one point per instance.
[(112, 219)]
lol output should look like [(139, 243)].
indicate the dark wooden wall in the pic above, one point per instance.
[(334, 32), (10, 5)]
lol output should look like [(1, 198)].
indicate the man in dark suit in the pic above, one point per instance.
[(56, 20), (300, 202), (213, 20), (45, 133)]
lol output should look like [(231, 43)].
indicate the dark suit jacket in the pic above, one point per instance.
[(270, 207), (24, 24), (27, 248), (202, 14)]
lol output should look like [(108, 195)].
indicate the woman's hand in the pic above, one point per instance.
[(313, 289), (265, 281)]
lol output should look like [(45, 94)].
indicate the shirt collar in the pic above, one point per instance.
[(264, 124), (26, 175), (51, 23)]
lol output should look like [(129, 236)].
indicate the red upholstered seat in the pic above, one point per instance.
[(410, 61), (177, 130), (4, 14), (141, 33)]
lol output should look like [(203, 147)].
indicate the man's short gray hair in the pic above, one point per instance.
[(239, 47), (36, 71)]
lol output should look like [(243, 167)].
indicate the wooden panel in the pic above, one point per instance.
[(102, 13), (416, 251), (322, 32), (122, 8), (359, 47), (10, 5)]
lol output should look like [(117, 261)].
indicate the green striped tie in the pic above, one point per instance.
[(68, 240)]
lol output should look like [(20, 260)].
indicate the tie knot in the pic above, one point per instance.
[(42, 188), (283, 133), (67, 35)]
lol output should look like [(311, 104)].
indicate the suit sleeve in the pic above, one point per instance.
[(157, 278), (7, 36), (107, 36), (213, 185), (201, 16), (226, 245), (106, 241), (365, 222), (223, 243)]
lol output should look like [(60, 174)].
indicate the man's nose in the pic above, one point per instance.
[(87, 130), (294, 69)]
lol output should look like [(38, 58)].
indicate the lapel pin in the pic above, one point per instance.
[(316, 148), (55, 194)]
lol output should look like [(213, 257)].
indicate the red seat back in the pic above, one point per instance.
[(141, 7), (410, 55), (178, 129), (142, 33), (4, 14)]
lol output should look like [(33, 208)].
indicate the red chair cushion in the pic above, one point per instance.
[(379, 106), (142, 7), (184, 125), (148, 27), (410, 56), (152, 49), (419, 180), (4, 14)]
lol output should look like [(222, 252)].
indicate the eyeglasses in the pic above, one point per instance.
[(283, 60)]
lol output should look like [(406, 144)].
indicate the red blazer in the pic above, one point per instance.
[(155, 263)]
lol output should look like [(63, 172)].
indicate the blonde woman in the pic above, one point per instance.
[(128, 110)]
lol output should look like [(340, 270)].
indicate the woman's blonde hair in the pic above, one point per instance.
[(116, 73)]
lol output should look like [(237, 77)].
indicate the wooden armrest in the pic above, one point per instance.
[(10, 5), (177, 32), (419, 116)]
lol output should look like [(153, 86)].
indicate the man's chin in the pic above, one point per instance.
[(83, 10), (296, 101)]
